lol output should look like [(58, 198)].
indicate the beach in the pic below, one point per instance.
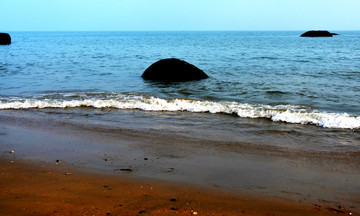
[(50, 167), (29, 188), (272, 130)]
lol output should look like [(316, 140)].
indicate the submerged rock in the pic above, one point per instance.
[(5, 39), (320, 33), (173, 70)]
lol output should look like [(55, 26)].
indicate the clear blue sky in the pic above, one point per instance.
[(124, 15)]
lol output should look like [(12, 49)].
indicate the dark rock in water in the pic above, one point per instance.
[(318, 34), (5, 39), (173, 70)]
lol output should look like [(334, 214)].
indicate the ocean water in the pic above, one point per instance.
[(260, 83)]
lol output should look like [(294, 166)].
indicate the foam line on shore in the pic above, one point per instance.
[(284, 113)]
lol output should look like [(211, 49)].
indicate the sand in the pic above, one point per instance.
[(30, 188), (59, 168)]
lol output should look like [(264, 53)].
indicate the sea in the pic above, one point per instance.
[(265, 87)]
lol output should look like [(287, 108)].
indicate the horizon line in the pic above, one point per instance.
[(169, 30)]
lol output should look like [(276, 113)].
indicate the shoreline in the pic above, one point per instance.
[(244, 175), (29, 187)]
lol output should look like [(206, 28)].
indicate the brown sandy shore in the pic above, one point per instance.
[(31, 188), (51, 167)]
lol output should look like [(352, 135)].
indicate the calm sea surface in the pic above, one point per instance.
[(265, 81)]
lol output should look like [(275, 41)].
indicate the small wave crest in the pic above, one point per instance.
[(283, 113)]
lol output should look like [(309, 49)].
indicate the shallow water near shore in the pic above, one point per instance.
[(274, 75), (270, 88)]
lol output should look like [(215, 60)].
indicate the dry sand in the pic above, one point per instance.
[(31, 188)]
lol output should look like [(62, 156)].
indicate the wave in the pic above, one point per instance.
[(280, 113)]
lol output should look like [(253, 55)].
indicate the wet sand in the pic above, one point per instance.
[(30, 188), (62, 168)]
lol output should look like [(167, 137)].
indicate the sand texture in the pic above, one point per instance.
[(33, 189)]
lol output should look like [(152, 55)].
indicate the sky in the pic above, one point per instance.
[(178, 15)]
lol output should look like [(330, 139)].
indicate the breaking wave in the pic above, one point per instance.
[(283, 113)]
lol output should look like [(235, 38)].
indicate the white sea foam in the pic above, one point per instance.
[(283, 113)]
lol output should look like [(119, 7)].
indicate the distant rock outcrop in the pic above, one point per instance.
[(5, 39), (173, 70), (320, 33)]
